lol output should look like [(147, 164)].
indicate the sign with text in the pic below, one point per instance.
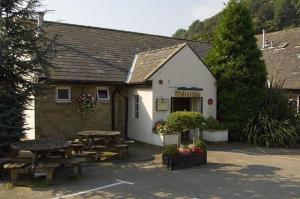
[(187, 94), (162, 104)]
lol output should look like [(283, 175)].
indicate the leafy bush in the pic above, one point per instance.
[(277, 124), (164, 129), (170, 150), (182, 121), (212, 123), (267, 131)]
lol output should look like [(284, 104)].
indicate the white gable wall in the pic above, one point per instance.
[(185, 69)]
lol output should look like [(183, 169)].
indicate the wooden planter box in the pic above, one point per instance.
[(215, 135), (184, 161)]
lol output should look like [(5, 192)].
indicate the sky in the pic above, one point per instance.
[(160, 17)]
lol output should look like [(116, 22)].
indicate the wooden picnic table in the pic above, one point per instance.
[(40, 148), (99, 133), (110, 136), (41, 145)]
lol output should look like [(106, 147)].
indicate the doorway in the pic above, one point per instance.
[(180, 104)]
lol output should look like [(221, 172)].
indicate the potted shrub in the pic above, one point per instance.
[(214, 131), (165, 135), (184, 156), (183, 121)]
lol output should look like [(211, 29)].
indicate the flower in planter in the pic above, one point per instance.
[(197, 151), (184, 151)]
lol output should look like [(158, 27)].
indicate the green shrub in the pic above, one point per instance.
[(182, 121), (277, 104), (212, 123), (201, 144), (170, 150), (267, 131), (164, 129)]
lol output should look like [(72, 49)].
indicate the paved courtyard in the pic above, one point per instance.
[(233, 171)]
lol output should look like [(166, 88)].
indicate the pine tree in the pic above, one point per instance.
[(25, 52), (236, 63)]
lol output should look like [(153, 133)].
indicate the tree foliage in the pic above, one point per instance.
[(236, 62), (270, 15), (24, 55)]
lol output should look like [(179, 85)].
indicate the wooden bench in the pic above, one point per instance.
[(77, 147), (121, 148), (47, 168), (85, 154), (98, 149), (76, 163), (2, 162), (128, 141), (16, 169)]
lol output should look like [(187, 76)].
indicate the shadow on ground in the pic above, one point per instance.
[(223, 177)]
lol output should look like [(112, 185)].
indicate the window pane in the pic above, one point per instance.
[(102, 94), (63, 94), (136, 106)]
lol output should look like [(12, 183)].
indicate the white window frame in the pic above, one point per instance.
[(103, 99), (63, 100), (136, 107)]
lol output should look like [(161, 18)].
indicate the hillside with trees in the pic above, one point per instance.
[(270, 15)]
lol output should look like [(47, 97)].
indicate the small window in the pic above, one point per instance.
[(136, 106), (103, 93), (63, 94)]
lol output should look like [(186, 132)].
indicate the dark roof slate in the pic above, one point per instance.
[(104, 55), (148, 62), (283, 64)]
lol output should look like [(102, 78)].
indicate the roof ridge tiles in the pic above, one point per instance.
[(162, 49), (126, 31)]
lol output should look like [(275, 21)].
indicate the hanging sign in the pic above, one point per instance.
[(187, 94), (162, 104)]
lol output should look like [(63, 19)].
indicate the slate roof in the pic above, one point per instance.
[(94, 54), (148, 62), (283, 63)]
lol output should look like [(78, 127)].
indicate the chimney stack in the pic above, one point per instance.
[(40, 18), (263, 40)]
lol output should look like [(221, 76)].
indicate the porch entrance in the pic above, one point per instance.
[(187, 104)]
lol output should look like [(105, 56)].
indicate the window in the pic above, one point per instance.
[(102, 93), (63, 94), (136, 106)]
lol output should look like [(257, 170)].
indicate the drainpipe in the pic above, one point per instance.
[(113, 108), (40, 18)]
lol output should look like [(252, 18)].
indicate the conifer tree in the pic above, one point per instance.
[(25, 52), (236, 62)]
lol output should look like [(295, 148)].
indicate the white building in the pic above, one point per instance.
[(137, 80), (164, 81)]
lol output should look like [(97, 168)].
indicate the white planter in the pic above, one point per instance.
[(162, 140), (215, 135)]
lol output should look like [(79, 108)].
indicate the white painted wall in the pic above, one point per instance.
[(30, 121), (185, 69), (140, 129)]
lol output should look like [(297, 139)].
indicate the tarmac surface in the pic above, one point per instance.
[(233, 171)]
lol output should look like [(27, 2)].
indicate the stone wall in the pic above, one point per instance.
[(61, 120)]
